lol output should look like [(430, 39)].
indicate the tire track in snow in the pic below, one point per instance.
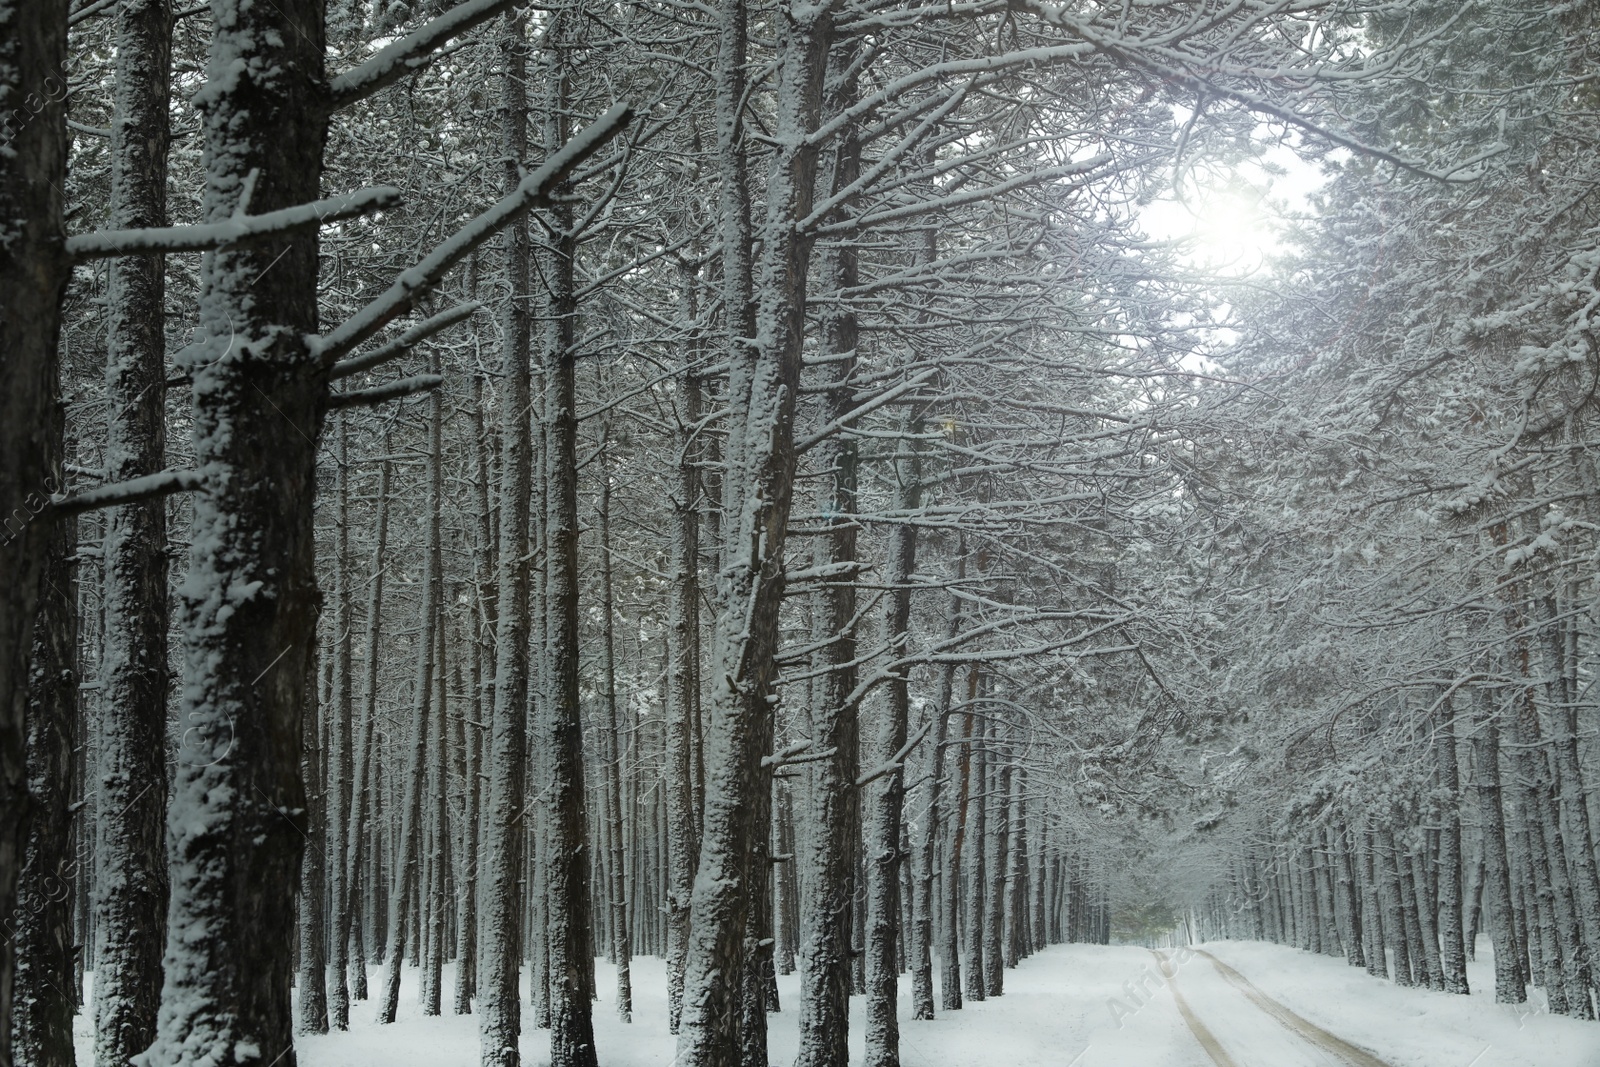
[(1207, 1039), (1299, 1026)]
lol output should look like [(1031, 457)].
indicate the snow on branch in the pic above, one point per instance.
[(236, 230), (163, 483), (1175, 67), (888, 396), (420, 383), (988, 192), (533, 191), (405, 342), (414, 50), (796, 753), (897, 761)]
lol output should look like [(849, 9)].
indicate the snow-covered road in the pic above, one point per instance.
[(1069, 1006)]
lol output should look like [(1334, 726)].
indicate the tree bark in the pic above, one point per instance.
[(33, 275), (500, 1019), (42, 930), (886, 798), (249, 603), (311, 1006), (559, 723), (131, 799)]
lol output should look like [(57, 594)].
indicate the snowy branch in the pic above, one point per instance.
[(897, 761), (420, 383), (410, 52), (405, 342), (886, 397), (163, 483), (237, 230), (533, 191)]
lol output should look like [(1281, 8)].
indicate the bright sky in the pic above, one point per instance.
[(1233, 221)]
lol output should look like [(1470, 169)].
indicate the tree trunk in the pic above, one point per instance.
[(977, 881), (249, 603), (560, 727), (617, 887), (683, 693), (1452, 952), (500, 944), (886, 797), (758, 483), (1508, 984), (825, 940), (42, 924), (406, 885), (311, 1006), (131, 798), (341, 744), (33, 275)]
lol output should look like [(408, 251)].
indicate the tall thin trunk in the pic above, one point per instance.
[(311, 1006), (481, 670), (341, 744), (621, 942), (1508, 984), (1339, 856), (758, 484), (886, 797), (131, 797), (1452, 948), (559, 720), (406, 886), (977, 881), (825, 932), (683, 695), (363, 794), (435, 900), (1389, 894), (500, 1016), (950, 876)]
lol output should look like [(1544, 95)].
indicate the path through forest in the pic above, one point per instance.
[(1067, 1006)]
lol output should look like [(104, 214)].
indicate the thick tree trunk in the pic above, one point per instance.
[(977, 881), (42, 927), (33, 274), (131, 798), (249, 603)]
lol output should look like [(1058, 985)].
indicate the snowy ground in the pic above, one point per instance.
[(1070, 1006)]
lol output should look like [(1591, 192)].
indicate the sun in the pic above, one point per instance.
[(1232, 222), (1231, 229)]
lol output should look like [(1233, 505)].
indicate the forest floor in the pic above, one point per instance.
[(1070, 1006)]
